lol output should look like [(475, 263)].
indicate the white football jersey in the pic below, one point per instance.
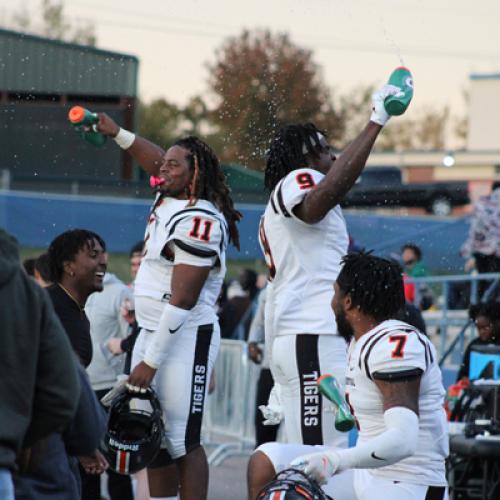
[(303, 259), (201, 231), (395, 346)]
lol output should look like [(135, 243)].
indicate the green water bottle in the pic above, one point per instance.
[(329, 387), (402, 78), (85, 123)]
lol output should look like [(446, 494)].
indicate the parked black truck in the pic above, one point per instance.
[(383, 186)]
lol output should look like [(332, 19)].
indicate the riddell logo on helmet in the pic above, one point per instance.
[(125, 447)]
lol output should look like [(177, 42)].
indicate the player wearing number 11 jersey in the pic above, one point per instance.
[(303, 236), (176, 288)]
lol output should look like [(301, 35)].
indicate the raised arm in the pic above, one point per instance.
[(148, 155), (344, 172)]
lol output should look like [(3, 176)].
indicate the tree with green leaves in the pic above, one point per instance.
[(261, 82)]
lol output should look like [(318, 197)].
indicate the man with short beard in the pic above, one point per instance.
[(394, 390)]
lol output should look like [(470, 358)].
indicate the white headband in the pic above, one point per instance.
[(305, 149)]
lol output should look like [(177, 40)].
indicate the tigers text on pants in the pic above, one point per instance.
[(297, 362)]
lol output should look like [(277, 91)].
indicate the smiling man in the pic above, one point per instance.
[(78, 262)]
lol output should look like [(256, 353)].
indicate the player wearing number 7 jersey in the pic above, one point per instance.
[(394, 389), (176, 288), (303, 236)]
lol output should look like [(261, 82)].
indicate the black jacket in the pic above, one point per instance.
[(39, 389)]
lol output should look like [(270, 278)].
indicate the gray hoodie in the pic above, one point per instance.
[(39, 389), (103, 312)]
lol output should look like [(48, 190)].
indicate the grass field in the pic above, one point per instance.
[(118, 264)]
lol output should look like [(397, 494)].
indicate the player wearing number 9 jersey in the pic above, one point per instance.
[(303, 236), (176, 289)]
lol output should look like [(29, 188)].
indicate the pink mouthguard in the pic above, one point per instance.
[(155, 181)]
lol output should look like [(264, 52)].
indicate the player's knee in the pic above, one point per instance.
[(177, 448), (260, 470)]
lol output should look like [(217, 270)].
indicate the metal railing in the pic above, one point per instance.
[(229, 416), (443, 318)]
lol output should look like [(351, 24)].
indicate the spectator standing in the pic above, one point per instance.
[(39, 390), (483, 243), (237, 313), (78, 264), (486, 317), (420, 295), (411, 255), (119, 345)]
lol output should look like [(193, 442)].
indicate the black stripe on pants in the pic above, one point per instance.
[(306, 347), (198, 386), (264, 433), (435, 493)]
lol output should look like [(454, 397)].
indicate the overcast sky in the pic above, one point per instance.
[(354, 41)]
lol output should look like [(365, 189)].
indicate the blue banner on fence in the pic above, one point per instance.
[(35, 219)]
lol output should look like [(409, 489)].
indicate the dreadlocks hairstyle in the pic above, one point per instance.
[(374, 284), (289, 149), (65, 247), (209, 182)]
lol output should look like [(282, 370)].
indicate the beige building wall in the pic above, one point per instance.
[(484, 113)]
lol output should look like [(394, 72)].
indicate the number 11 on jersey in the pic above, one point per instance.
[(195, 231)]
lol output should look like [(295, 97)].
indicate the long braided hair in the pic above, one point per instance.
[(209, 182), (286, 152)]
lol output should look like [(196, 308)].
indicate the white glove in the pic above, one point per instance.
[(379, 114), (320, 466), (273, 412), (273, 415)]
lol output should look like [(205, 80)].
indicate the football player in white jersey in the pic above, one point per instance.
[(395, 392), (303, 236), (176, 288)]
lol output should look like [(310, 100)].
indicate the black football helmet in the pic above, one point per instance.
[(292, 484), (133, 435)]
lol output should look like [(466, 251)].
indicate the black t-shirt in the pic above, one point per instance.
[(75, 323)]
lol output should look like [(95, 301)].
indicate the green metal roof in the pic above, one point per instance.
[(35, 64)]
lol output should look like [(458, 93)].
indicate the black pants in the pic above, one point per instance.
[(119, 486), (264, 433)]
